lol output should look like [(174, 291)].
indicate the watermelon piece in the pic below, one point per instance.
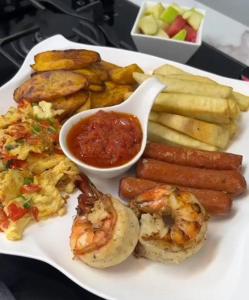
[(191, 34), (176, 26)]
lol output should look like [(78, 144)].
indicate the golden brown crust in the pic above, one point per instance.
[(50, 85), (94, 76), (71, 103), (110, 97), (65, 60), (124, 75), (150, 250)]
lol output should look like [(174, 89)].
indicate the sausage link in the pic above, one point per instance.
[(215, 202), (130, 187), (193, 157), (230, 181)]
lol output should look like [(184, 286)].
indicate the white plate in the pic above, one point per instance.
[(219, 271)]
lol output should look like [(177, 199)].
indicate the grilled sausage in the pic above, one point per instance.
[(230, 181), (193, 157), (215, 202)]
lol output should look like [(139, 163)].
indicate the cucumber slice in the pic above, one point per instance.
[(169, 15), (162, 33), (155, 10), (160, 23), (187, 14), (195, 19), (148, 25), (178, 8)]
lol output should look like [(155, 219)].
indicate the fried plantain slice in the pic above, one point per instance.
[(98, 72), (110, 97), (102, 68), (124, 75), (64, 60), (93, 76), (96, 87), (50, 85), (71, 103), (105, 65), (85, 106), (109, 85)]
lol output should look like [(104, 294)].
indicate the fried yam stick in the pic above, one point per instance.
[(205, 132), (174, 85), (163, 134), (209, 109)]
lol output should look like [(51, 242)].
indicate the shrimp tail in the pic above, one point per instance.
[(90, 194)]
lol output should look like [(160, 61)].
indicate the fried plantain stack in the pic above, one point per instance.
[(76, 80)]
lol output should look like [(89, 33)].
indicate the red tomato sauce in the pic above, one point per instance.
[(106, 139)]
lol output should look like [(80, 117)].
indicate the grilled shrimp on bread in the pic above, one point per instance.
[(173, 224), (104, 232)]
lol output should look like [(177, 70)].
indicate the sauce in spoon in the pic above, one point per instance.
[(106, 139)]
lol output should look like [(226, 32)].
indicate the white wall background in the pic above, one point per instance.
[(236, 9)]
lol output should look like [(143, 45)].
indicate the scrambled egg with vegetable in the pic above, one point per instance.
[(35, 177)]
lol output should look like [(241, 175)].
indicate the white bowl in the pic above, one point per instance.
[(175, 50)]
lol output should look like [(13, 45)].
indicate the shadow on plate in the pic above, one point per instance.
[(191, 267), (130, 266), (199, 262)]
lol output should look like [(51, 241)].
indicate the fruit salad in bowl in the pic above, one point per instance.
[(168, 30)]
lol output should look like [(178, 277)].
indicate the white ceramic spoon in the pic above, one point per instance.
[(138, 104)]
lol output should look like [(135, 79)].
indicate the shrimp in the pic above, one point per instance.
[(95, 220), (104, 232), (170, 220)]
